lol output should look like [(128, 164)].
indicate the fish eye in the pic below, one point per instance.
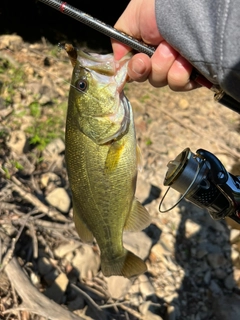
[(81, 84)]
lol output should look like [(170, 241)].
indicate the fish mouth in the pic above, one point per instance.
[(102, 64)]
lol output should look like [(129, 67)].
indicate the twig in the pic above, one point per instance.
[(15, 299), (131, 311), (48, 250), (114, 304), (95, 293), (54, 225), (99, 287), (9, 253), (0, 251), (34, 240), (52, 213), (33, 301), (101, 315), (7, 206)]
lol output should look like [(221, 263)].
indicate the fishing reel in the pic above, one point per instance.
[(202, 179)]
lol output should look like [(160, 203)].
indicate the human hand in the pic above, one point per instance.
[(166, 66)]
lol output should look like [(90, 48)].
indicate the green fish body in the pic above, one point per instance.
[(102, 161)]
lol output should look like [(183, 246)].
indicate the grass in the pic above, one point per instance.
[(148, 142), (48, 124), (48, 120)]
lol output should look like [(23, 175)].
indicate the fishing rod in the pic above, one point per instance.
[(201, 178), (219, 95)]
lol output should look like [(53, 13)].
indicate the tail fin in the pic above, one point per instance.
[(128, 265)]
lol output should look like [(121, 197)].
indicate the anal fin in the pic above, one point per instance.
[(138, 219)]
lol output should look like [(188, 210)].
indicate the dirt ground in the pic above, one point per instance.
[(183, 280)]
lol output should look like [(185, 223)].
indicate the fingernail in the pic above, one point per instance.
[(138, 66), (165, 50)]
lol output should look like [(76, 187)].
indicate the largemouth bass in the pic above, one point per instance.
[(102, 160)]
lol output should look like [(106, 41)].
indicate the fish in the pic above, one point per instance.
[(102, 160)]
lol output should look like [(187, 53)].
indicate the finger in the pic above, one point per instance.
[(179, 75), (127, 24), (162, 60), (139, 67), (119, 49)]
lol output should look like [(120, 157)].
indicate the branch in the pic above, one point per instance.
[(33, 300)]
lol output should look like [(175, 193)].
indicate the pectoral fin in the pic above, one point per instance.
[(113, 156), (84, 233), (138, 219)]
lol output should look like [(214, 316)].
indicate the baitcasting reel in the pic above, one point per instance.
[(202, 179)]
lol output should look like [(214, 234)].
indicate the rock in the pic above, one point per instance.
[(65, 248), (5, 111), (207, 277), (138, 243), (236, 275), (27, 121), (35, 279), (146, 288), (234, 235), (183, 104), (50, 178), (77, 303), (214, 287), (17, 141), (234, 254), (86, 261), (227, 307), (191, 228), (44, 265), (153, 232), (142, 189), (55, 147), (8, 228), (150, 311), (45, 99), (201, 253), (217, 225), (220, 273), (216, 260), (229, 282), (47, 90), (171, 312), (170, 264), (59, 199), (158, 252), (118, 286), (51, 276), (27, 166), (136, 299), (57, 290), (12, 42), (167, 240), (170, 297), (169, 288)]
